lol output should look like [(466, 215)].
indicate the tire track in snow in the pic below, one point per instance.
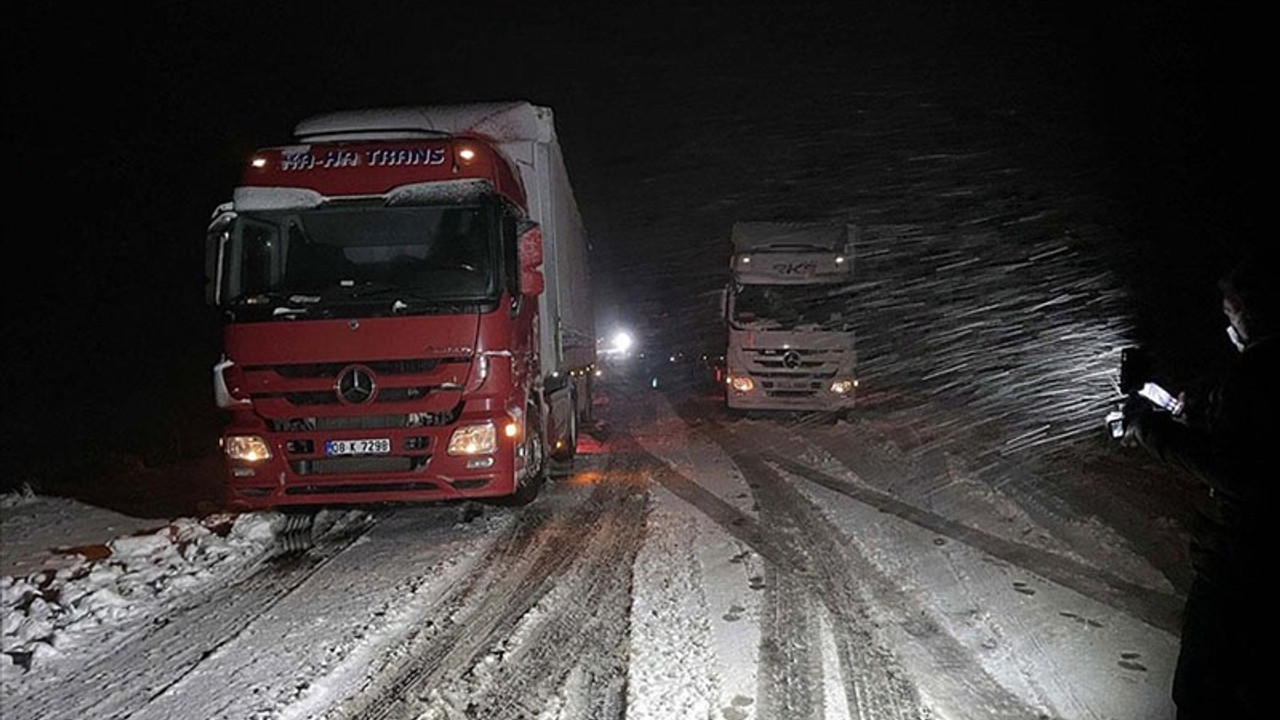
[(580, 629), (790, 675), (176, 644), (456, 666), (791, 671), (875, 685), (403, 668), (1158, 609), (848, 584)]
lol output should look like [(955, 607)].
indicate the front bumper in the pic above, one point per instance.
[(417, 468), (771, 395)]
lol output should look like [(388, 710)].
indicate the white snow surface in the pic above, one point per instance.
[(80, 599), (694, 628)]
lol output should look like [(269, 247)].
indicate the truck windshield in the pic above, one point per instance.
[(792, 307), (426, 253)]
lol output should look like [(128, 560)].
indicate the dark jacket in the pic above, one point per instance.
[(1233, 447)]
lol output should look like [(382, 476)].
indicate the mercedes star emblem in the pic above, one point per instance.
[(355, 385)]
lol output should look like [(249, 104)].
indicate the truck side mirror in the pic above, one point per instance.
[(214, 249), (531, 280), (212, 253)]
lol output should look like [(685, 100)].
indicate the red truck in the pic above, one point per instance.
[(407, 310)]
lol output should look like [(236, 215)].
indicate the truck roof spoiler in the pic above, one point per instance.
[(825, 236), (502, 122)]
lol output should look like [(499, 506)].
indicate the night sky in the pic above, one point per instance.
[(129, 125)]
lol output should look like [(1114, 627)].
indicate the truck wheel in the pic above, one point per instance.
[(570, 448), (526, 493), (588, 408), (536, 458)]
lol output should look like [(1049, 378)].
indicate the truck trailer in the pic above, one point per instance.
[(407, 310), (790, 326)]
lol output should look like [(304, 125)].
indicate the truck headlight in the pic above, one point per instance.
[(741, 383), (473, 440), (843, 387), (250, 449)]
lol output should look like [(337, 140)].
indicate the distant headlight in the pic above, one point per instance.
[(843, 387), (250, 449), (741, 384), (473, 440)]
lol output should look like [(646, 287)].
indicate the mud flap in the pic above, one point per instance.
[(297, 535)]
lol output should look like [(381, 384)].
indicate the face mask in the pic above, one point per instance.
[(1235, 338)]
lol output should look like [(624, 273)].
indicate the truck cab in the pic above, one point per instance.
[(390, 334), (789, 317)]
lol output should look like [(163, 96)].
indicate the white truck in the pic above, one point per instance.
[(790, 333)]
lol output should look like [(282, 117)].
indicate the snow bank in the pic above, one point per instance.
[(75, 609)]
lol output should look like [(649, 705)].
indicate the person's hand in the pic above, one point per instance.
[(1130, 437), (1182, 416), (1137, 412)]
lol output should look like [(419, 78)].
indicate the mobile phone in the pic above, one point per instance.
[(1115, 422), (1161, 397)]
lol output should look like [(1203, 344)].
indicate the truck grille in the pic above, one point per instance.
[(792, 360), (366, 422), (349, 488), (791, 373), (344, 465), (314, 386), (793, 363), (382, 367)]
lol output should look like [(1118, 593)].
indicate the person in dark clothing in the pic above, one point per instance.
[(1227, 441)]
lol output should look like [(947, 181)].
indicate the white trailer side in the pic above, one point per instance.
[(526, 134)]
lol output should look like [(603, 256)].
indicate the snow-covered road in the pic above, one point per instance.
[(695, 565)]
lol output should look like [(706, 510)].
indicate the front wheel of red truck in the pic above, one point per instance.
[(535, 476)]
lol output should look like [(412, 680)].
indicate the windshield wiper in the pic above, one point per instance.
[(414, 301), (285, 305), (348, 289), (269, 300)]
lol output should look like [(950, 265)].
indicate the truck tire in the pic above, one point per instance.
[(528, 488), (587, 415), (567, 452)]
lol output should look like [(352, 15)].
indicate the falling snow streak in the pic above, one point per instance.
[(1020, 328), (986, 264)]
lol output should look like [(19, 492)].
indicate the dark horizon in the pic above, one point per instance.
[(131, 126)]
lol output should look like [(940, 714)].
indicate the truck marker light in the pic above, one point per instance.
[(473, 440), (258, 162), (839, 259), (246, 448), (467, 155)]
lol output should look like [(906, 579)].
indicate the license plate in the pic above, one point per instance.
[(367, 446)]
